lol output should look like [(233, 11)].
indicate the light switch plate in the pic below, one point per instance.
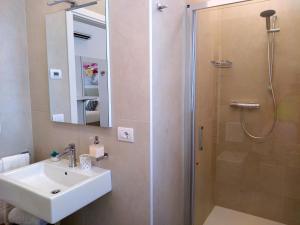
[(126, 134)]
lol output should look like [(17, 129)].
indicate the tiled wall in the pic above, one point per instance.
[(128, 204), (15, 111), (258, 178), (167, 95)]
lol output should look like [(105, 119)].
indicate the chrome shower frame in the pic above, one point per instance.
[(190, 99)]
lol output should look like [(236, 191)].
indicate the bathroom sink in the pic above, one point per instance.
[(51, 190)]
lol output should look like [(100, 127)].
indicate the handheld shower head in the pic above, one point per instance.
[(267, 14)]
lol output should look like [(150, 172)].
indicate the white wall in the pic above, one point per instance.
[(15, 111), (57, 55), (168, 33), (94, 47)]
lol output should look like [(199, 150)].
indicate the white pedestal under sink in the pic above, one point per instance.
[(51, 190)]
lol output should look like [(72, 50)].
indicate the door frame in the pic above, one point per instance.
[(190, 100)]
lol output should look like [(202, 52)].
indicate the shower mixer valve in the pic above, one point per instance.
[(271, 22)]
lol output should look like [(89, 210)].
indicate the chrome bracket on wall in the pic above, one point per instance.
[(161, 6), (222, 64), (242, 105)]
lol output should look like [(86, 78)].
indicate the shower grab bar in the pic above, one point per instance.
[(273, 30), (221, 63), (242, 105)]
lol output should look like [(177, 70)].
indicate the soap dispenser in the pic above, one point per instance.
[(96, 150)]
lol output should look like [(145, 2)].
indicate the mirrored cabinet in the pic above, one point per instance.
[(79, 67)]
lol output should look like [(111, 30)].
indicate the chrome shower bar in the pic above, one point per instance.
[(243, 105), (273, 30), (222, 64)]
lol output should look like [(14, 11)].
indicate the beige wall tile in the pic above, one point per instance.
[(230, 167), (128, 204), (269, 173), (292, 182), (234, 132), (291, 214), (228, 195), (271, 179), (262, 204), (291, 154)]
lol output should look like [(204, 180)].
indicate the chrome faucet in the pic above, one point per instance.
[(71, 151)]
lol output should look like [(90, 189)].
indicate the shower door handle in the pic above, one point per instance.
[(200, 132)]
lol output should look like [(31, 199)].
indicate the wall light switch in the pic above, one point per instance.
[(126, 134)]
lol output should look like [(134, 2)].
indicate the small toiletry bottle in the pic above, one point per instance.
[(96, 150), (54, 155)]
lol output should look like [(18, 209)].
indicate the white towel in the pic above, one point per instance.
[(14, 162), (18, 216)]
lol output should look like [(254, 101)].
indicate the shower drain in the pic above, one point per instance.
[(54, 192)]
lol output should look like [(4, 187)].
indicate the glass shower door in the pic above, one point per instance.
[(205, 114), (233, 171)]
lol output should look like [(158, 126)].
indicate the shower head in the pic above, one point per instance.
[(267, 14)]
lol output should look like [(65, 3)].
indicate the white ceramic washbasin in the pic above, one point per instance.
[(51, 190)]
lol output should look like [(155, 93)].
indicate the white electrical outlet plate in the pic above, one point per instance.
[(56, 74), (58, 118), (126, 134)]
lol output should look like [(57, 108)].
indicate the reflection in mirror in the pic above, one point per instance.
[(78, 61)]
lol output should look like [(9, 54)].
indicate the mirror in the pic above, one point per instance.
[(79, 68)]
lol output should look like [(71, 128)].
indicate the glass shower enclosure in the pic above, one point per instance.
[(245, 91)]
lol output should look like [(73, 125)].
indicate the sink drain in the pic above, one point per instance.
[(54, 192)]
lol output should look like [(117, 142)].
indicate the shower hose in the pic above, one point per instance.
[(271, 49)]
